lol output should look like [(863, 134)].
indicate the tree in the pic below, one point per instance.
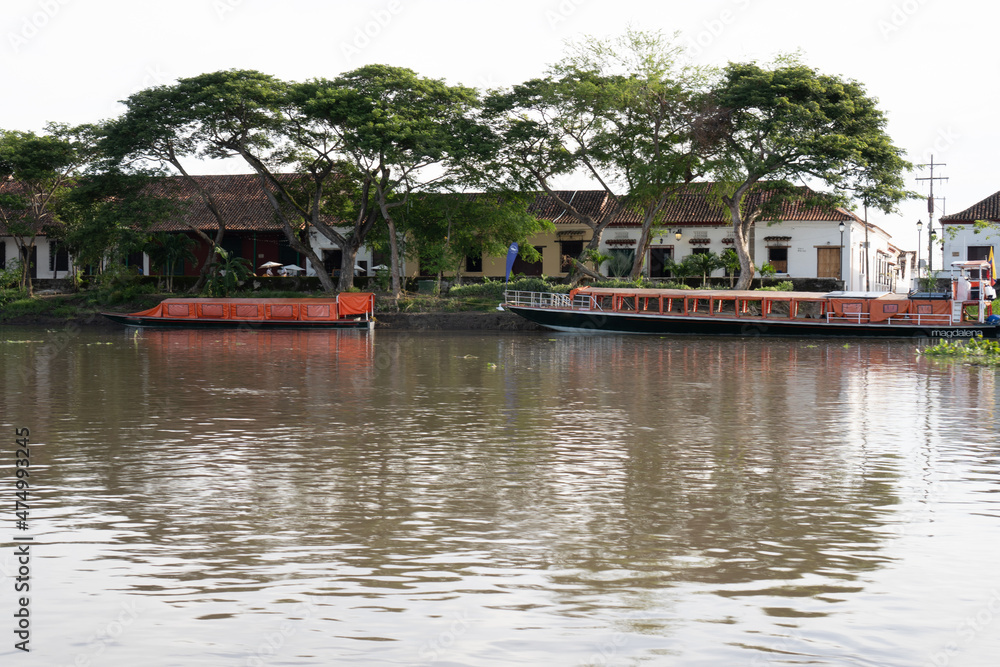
[(401, 132), (161, 127), (731, 263), (622, 111), (107, 215), (446, 228), (703, 263), (227, 272), (166, 251), (36, 172), (772, 128)]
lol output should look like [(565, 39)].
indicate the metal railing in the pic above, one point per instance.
[(928, 319), (538, 299)]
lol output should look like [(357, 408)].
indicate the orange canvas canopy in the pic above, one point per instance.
[(888, 306), (355, 303), (849, 307)]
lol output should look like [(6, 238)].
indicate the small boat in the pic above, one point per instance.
[(350, 310), (961, 313)]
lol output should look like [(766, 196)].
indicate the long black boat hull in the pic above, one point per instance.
[(611, 322)]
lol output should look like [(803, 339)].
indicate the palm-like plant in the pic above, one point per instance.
[(703, 263), (228, 272), (731, 263)]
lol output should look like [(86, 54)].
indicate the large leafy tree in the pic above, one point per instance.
[(161, 127), (107, 216), (778, 128), (36, 172), (624, 112), (400, 132), (445, 228)]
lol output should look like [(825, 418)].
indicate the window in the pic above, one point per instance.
[(474, 264), (58, 257), (568, 249), (978, 252), (778, 258), (620, 264), (528, 268), (3, 255)]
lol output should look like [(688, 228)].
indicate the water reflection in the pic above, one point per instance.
[(567, 499)]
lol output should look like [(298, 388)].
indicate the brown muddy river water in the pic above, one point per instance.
[(335, 498)]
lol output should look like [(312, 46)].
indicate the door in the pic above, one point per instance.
[(828, 263), (658, 262)]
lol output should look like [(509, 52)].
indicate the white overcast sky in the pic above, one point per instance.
[(932, 64)]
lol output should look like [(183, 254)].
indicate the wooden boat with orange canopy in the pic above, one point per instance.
[(954, 314), (350, 310)]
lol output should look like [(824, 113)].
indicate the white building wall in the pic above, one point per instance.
[(957, 241)]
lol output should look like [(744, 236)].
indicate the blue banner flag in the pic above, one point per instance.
[(511, 256)]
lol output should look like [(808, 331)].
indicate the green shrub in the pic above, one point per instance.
[(494, 289), (783, 286)]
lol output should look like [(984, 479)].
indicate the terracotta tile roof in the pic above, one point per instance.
[(692, 206), (987, 209), (240, 199), (244, 205)]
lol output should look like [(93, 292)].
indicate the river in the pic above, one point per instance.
[(327, 498)]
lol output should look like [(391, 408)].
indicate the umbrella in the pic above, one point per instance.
[(380, 267), (269, 265), (292, 267)]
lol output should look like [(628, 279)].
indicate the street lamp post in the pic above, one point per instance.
[(920, 227)]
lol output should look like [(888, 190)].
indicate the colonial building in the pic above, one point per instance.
[(964, 239), (803, 242)]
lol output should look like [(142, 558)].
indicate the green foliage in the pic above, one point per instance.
[(620, 262), (445, 228), (731, 263), (106, 217), (703, 263), (11, 274), (767, 270), (227, 273), (595, 257), (494, 289), (774, 127), (977, 351), (36, 172), (640, 283), (783, 286), (10, 294), (168, 252), (929, 283)]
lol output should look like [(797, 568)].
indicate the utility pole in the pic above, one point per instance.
[(930, 211)]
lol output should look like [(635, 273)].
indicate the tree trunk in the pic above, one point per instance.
[(645, 236), (581, 267), (348, 258), (394, 256), (24, 250), (741, 236)]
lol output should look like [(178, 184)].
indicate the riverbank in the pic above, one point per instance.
[(423, 313)]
